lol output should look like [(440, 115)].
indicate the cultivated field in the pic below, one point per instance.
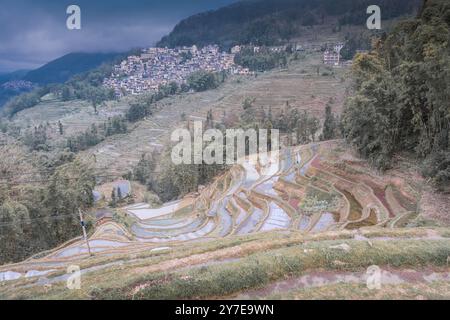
[(309, 219)]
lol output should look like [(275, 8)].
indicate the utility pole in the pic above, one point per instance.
[(337, 49), (83, 226)]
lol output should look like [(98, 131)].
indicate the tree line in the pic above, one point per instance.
[(199, 81)]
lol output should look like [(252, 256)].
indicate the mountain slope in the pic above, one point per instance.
[(6, 92), (266, 22), (16, 75), (61, 69)]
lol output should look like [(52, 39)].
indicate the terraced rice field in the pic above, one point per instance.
[(297, 191)]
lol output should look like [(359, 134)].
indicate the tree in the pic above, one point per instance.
[(138, 111), (60, 128), (248, 114), (313, 125), (113, 202), (36, 139), (13, 215), (330, 125), (144, 169), (400, 95), (66, 95), (202, 81), (209, 120)]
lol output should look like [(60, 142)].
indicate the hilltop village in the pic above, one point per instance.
[(160, 66), (156, 67)]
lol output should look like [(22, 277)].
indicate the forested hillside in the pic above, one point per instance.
[(402, 93), (268, 22)]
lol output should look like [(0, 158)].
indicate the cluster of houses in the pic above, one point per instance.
[(257, 49), (332, 56), (17, 85), (155, 67), (160, 66)]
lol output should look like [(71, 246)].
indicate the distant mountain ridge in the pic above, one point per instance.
[(62, 69), (267, 22), (56, 71), (10, 76)]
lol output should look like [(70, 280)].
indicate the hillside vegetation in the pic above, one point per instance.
[(269, 22), (401, 95), (73, 66)]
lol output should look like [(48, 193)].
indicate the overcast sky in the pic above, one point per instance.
[(33, 32)]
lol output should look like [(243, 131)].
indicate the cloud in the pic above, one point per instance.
[(34, 31)]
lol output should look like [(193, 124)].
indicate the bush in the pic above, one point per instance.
[(437, 166), (202, 81)]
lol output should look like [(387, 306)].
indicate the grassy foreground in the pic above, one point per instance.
[(260, 269), (223, 269)]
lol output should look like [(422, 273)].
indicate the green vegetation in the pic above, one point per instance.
[(330, 125), (145, 104), (220, 251), (302, 125), (202, 80), (85, 86), (263, 60), (401, 94), (357, 41), (97, 133), (271, 22), (39, 206), (24, 101), (36, 139), (259, 269), (171, 181)]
